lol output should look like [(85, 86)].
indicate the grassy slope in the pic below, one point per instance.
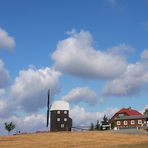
[(75, 140)]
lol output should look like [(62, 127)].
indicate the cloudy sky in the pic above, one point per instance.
[(93, 54)]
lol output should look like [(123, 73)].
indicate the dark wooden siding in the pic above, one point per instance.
[(64, 123)]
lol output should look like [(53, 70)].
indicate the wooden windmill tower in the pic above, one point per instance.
[(59, 115)]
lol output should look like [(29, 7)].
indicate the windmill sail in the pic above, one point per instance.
[(48, 107)]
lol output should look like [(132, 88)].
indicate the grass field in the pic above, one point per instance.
[(89, 139)]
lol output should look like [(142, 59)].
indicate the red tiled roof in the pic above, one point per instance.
[(129, 112)]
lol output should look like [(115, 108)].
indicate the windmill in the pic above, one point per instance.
[(48, 107)]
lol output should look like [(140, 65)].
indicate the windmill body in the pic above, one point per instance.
[(59, 116)]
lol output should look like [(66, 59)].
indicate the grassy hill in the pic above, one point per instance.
[(89, 139)]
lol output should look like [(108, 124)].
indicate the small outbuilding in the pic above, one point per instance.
[(59, 116)]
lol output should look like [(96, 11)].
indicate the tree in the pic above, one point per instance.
[(97, 125), (146, 112), (9, 126), (113, 124), (91, 127), (105, 120)]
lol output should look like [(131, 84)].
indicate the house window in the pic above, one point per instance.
[(121, 115), (65, 112), (132, 122), (139, 121), (58, 119), (58, 112), (118, 123), (62, 125), (65, 119), (125, 122)]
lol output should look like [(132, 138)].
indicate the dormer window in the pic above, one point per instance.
[(121, 115)]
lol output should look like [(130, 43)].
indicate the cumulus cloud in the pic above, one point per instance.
[(81, 117), (29, 123), (6, 41), (144, 55), (82, 94), (131, 81), (2, 106), (29, 91), (122, 50), (4, 75), (77, 56), (5, 107)]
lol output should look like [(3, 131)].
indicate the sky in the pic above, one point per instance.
[(93, 54)]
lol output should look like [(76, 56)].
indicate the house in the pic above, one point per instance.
[(59, 117), (129, 118)]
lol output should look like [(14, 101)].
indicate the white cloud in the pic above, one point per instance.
[(2, 92), (143, 110), (122, 50), (35, 122), (6, 105), (2, 106), (144, 55), (4, 75), (29, 123), (29, 91), (6, 110), (6, 41), (131, 81), (76, 56), (81, 94), (81, 117)]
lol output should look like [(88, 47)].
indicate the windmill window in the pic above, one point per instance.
[(65, 119), (58, 119), (65, 112), (58, 112), (62, 125)]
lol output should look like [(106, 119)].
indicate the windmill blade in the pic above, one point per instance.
[(47, 117), (48, 102), (48, 105)]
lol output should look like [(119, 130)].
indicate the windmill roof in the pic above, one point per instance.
[(129, 111), (59, 105)]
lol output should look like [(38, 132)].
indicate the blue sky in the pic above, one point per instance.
[(92, 54)]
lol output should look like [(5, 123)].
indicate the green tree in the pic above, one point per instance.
[(146, 112), (105, 120), (97, 125), (91, 127), (113, 124), (9, 127)]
